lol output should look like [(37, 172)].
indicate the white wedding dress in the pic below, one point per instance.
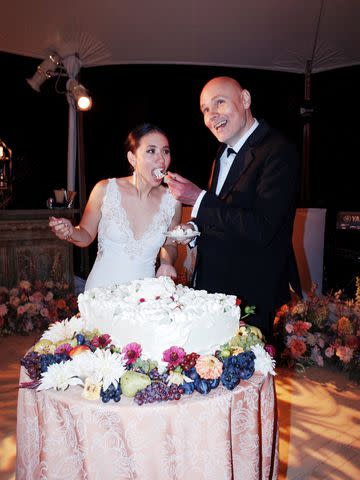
[(121, 257)]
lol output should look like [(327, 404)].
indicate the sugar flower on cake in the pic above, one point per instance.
[(209, 367), (131, 352), (174, 356), (263, 362), (59, 376), (65, 329), (108, 367)]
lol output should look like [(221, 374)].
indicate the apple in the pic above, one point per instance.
[(78, 349)]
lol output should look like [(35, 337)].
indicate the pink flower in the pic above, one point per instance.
[(344, 353), (316, 356), (300, 328), (101, 341), (174, 356), (329, 352), (21, 310), (64, 348), (49, 296), (270, 349), (44, 312), (208, 367), (289, 327), (36, 297), (3, 309), (132, 351)]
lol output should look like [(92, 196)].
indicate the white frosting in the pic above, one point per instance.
[(180, 231), (158, 314)]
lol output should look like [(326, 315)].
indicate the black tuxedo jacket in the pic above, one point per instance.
[(245, 246)]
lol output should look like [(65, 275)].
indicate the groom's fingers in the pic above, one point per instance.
[(176, 177)]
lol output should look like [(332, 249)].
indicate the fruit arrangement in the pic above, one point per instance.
[(107, 372)]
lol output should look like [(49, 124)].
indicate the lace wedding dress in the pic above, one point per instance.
[(121, 257)]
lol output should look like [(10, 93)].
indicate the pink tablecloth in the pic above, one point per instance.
[(222, 435)]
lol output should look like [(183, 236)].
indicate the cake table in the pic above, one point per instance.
[(222, 435)]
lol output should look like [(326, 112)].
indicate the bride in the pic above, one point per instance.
[(130, 215)]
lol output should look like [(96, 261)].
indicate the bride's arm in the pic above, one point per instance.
[(169, 251), (84, 233)]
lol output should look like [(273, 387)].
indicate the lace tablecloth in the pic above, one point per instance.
[(222, 435)]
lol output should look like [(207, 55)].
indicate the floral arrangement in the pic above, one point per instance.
[(321, 330), (68, 355), (29, 307)]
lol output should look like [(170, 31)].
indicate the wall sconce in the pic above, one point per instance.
[(79, 94), (45, 70)]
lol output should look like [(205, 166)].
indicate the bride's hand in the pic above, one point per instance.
[(166, 270), (62, 227)]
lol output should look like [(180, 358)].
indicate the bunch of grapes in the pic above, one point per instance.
[(189, 361), (31, 362), (48, 359), (111, 392), (158, 392), (155, 375)]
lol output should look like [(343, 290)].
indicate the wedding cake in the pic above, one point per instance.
[(158, 314)]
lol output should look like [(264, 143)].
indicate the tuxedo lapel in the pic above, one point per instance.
[(244, 157), (240, 163), (216, 169)]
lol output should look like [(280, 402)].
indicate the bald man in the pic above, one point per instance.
[(246, 217)]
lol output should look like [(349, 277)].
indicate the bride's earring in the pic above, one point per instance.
[(134, 178)]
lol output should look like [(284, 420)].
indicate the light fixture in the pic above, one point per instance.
[(45, 70), (79, 95)]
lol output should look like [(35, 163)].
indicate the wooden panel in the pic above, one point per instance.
[(30, 251)]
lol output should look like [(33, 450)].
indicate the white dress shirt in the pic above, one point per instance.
[(225, 165)]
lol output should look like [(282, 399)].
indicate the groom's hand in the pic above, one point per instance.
[(182, 189)]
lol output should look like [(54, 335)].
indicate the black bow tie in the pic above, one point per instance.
[(230, 151)]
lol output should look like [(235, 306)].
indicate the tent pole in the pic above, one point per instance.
[(306, 113)]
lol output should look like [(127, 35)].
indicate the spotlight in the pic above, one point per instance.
[(44, 71), (79, 94)]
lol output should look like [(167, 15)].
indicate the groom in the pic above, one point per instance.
[(246, 216)]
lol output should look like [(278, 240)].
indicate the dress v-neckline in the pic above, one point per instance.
[(149, 228)]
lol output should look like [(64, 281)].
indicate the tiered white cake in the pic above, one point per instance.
[(158, 314)]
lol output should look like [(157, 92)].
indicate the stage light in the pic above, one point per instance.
[(44, 71), (79, 94)]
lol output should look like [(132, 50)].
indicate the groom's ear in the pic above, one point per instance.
[(131, 159)]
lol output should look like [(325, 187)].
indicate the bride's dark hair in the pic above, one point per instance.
[(132, 141)]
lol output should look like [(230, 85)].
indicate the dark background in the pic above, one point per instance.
[(35, 126)]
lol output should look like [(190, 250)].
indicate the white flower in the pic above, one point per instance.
[(263, 363), (109, 367), (59, 376), (84, 364), (178, 378), (65, 329)]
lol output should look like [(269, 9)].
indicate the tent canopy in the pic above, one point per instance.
[(264, 34)]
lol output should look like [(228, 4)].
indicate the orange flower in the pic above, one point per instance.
[(344, 326), (61, 303), (297, 347), (208, 367)]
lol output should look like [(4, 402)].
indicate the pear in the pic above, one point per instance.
[(132, 382), (44, 346)]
